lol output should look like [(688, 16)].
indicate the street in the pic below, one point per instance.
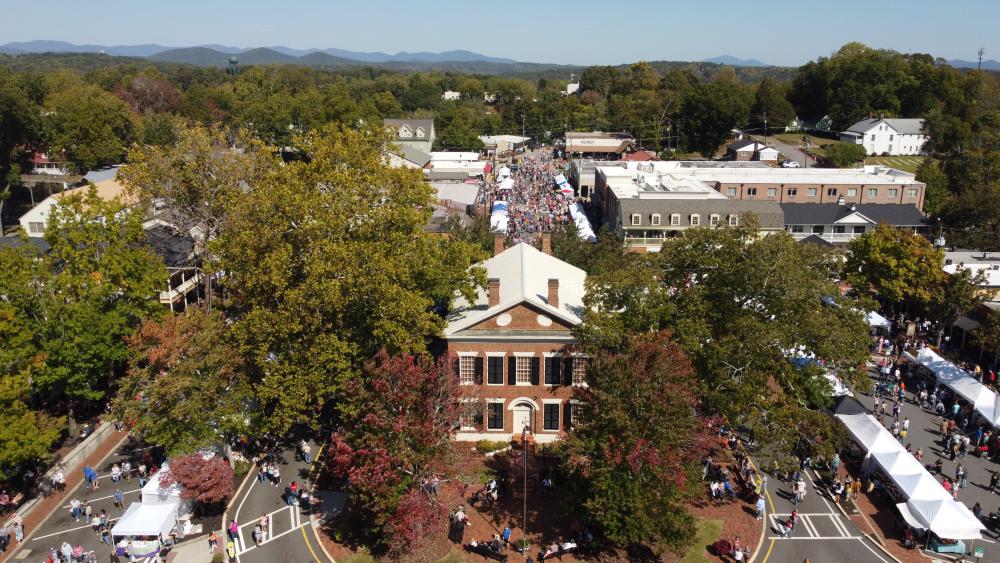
[(288, 537)]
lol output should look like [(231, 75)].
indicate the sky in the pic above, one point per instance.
[(585, 32)]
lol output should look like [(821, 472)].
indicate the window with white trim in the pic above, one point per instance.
[(772, 192), (831, 192), (852, 192), (654, 219), (734, 220), (580, 364), (695, 220), (912, 192), (791, 192), (466, 370), (675, 219), (522, 370), (893, 192), (636, 219), (713, 220), (470, 414), (36, 227), (812, 192), (872, 192), (731, 192), (751, 192)]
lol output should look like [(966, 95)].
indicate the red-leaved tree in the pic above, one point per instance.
[(398, 419), (205, 481)]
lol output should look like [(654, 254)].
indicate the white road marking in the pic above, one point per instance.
[(107, 497), (868, 547), (36, 538), (840, 525), (810, 528), (270, 526)]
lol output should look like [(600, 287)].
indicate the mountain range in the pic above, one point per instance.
[(989, 64), (209, 55)]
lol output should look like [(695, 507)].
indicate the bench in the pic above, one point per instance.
[(484, 550)]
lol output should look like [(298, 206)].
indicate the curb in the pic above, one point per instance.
[(225, 513), (765, 519), (878, 543), (312, 514), (27, 536)]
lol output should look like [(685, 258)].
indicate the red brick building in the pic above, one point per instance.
[(514, 344)]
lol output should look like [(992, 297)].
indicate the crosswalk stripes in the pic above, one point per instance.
[(290, 516), (808, 524)]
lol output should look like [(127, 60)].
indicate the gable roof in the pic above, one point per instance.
[(901, 126), (897, 214), (524, 273), (413, 125), (416, 156), (816, 239)]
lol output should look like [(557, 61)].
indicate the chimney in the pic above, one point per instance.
[(547, 243), (493, 289), (553, 292), (498, 244)]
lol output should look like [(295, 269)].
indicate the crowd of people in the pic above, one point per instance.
[(534, 204)]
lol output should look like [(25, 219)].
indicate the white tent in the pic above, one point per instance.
[(498, 217), (899, 462), (563, 185), (154, 493), (506, 184), (875, 319), (921, 486), (503, 173), (982, 398), (583, 228), (945, 517), (142, 519), (869, 433)]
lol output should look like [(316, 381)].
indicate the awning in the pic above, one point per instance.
[(899, 462), (966, 324), (875, 319), (147, 520), (921, 486)]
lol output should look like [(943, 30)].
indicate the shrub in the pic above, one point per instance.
[(487, 446)]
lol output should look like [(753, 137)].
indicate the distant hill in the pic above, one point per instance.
[(989, 64), (64, 47), (735, 61)]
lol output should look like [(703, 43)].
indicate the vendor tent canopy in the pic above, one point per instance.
[(143, 519), (921, 486), (506, 184), (945, 517), (982, 398), (583, 228), (874, 319), (849, 405), (899, 462), (563, 185), (154, 492)]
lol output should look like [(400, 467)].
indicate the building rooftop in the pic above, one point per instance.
[(524, 272), (897, 214), (628, 183), (760, 173), (902, 126)]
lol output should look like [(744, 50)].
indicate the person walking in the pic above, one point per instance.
[(760, 507), (994, 480), (835, 463), (76, 508), (213, 542), (262, 522), (962, 476), (802, 489), (234, 530), (119, 499), (305, 449)]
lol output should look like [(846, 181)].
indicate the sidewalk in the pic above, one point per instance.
[(44, 508)]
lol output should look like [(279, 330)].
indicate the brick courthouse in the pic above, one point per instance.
[(514, 344)]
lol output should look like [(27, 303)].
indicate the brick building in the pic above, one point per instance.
[(515, 346)]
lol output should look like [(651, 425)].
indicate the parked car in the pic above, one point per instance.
[(789, 164)]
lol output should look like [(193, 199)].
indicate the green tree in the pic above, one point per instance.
[(92, 126), (771, 99), (987, 334), (712, 110), (936, 192), (845, 155), (196, 178), (19, 125), (26, 435), (628, 470), (186, 387), (895, 265), (328, 261), (83, 297), (959, 294), (738, 304)]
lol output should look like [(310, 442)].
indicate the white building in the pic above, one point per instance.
[(892, 137), (502, 146), (415, 133), (571, 88), (34, 221), (451, 95)]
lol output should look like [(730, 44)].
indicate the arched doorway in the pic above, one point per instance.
[(523, 411)]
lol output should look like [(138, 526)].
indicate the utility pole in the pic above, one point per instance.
[(980, 53), (765, 128), (522, 125)]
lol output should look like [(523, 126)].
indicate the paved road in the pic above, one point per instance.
[(822, 534), (62, 527), (790, 152), (288, 536)]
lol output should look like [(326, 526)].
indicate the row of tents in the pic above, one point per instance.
[(928, 505), (984, 400)]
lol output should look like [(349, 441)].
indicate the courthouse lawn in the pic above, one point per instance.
[(708, 532)]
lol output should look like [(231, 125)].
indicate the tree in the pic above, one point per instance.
[(186, 387), (895, 265), (601, 79), (19, 125), (712, 110), (397, 420), (771, 99), (936, 192), (205, 481), (845, 155), (150, 92), (959, 294), (82, 298), (605, 256), (92, 126), (196, 179), (987, 334), (635, 441), (26, 435), (328, 262), (737, 303)]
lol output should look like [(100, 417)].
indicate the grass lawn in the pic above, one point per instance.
[(708, 532), (451, 558), (904, 163), (361, 557)]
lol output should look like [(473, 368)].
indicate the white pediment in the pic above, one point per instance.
[(854, 219)]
